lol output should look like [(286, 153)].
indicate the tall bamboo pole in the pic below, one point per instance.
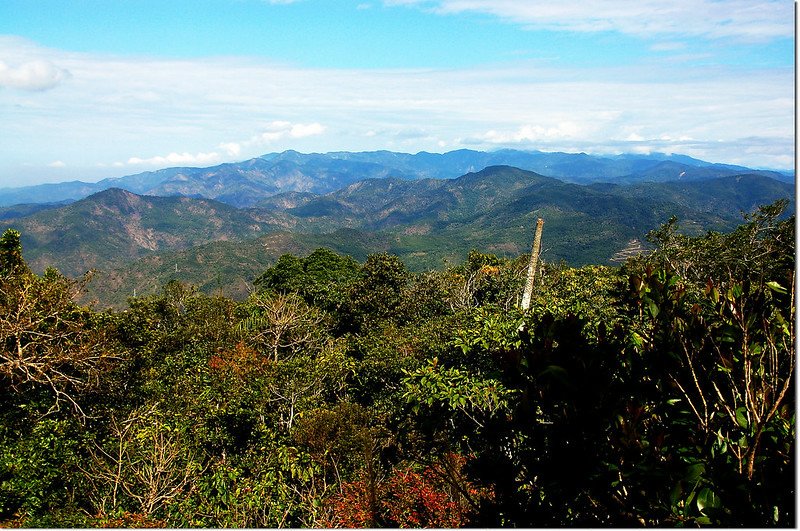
[(532, 265)]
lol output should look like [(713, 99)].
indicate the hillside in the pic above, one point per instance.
[(113, 227), (224, 267), (495, 208), (723, 196)]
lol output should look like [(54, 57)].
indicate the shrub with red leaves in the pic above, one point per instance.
[(434, 496), (131, 520)]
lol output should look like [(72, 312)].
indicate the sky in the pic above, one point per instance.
[(100, 88)]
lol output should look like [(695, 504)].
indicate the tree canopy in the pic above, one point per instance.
[(346, 394)]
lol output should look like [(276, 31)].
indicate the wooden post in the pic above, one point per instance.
[(532, 265)]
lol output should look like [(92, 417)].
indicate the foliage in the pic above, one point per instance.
[(320, 278), (39, 478), (11, 261), (144, 465), (282, 324), (724, 339), (756, 250), (486, 279), (376, 295), (660, 393), (436, 495), (47, 340), (455, 390)]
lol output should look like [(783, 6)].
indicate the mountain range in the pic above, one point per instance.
[(251, 182), (220, 227), (138, 242)]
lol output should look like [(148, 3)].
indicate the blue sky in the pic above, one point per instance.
[(91, 89)]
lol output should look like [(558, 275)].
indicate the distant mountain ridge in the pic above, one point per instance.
[(425, 221), (252, 182)]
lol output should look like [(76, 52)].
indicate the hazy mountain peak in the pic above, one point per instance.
[(250, 182)]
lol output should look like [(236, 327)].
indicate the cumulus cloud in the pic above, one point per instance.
[(748, 19), (281, 129), (32, 75), (57, 164), (533, 133), (233, 149), (177, 158), (304, 130), (275, 131)]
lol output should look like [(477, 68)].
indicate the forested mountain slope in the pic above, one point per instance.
[(116, 226)]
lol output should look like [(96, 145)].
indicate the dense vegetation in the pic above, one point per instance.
[(361, 394)]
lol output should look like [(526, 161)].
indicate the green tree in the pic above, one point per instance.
[(713, 325), (321, 278), (11, 260), (47, 340), (376, 295)]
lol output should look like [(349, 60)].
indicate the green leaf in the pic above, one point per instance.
[(676, 494), (706, 498), (693, 472), (777, 288), (741, 417), (637, 340)]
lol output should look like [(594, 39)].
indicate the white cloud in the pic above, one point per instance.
[(275, 131), (57, 164), (211, 110), (304, 130), (670, 46), (32, 75), (281, 129), (233, 149), (670, 138), (747, 19), (177, 158), (533, 133)]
